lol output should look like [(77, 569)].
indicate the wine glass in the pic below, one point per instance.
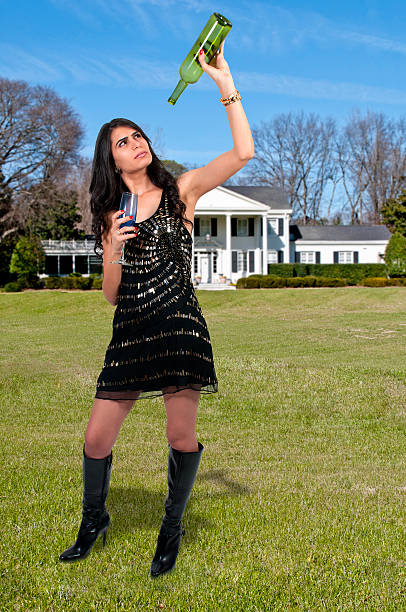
[(129, 202)]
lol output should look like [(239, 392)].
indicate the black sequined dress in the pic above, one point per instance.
[(160, 341)]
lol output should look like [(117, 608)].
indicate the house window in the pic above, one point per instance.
[(345, 257), (274, 225), (51, 264), (94, 265), (242, 261), (238, 261), (242, 227), (214, 263), (66, 264), (205, 226), (307, 257), (272, 256), (81, 264)]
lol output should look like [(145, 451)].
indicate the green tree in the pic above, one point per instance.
[(28, 259), (394, 213), (395, 255), (173, 167), (53, 213)]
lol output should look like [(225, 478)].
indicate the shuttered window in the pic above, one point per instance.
[(307, 257), (251, 261), (234, 261), (197, 226), (251, 228), (345, 257)]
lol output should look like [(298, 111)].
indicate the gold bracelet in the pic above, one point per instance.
[(234, 97)]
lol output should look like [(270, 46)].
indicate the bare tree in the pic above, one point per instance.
[(294, 152), (79, 181), (371, 155), (39, 138)]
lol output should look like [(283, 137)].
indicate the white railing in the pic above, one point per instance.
[(68, 245)]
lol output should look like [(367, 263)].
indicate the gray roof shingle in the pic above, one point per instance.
[(340, 232), (271, 196)]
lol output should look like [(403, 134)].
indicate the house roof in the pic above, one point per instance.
[(271, 196), (340, 232)]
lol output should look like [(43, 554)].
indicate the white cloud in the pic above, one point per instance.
[(300, 87), (148, 74)]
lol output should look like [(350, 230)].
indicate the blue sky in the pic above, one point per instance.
[(112, 59)]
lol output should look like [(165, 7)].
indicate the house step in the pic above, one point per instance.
[(214, 286)]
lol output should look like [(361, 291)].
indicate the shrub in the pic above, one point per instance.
[(374, 282), (395, 255), (383, 282), (301, 281), (251, 283), (97, 283), (53, 282), (325, 281), (12, 287), (272, 281), (28, 258), (352, 273), (67, 282), (82, 283), (75, 275), (396, 282), (285, 270)]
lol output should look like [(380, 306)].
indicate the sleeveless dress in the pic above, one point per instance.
[(160, 341)]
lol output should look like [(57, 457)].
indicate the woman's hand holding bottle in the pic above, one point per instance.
[(219, 71)]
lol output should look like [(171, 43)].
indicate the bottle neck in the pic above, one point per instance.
[(180, 88)]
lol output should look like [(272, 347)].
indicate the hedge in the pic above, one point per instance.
[(384, 282), (353, 273), (272, 281), (73, 282)]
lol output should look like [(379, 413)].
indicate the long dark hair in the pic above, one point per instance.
[(106, 184)]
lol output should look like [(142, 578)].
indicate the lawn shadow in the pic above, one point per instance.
[(137, 508)]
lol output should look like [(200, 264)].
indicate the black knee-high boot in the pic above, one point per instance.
[(182, 470), (95, 518)]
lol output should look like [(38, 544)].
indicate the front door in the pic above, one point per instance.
[(204, 267)]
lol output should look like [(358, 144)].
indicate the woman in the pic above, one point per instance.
[(160, 344)]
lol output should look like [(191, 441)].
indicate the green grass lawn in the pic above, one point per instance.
[(299, 503)]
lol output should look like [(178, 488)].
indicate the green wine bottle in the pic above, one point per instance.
[(209, 39)]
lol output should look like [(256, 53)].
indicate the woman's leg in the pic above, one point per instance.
[(104, 425), (181, 411), (183, 463)]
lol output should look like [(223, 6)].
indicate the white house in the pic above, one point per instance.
[(338, 243), (238, 231)]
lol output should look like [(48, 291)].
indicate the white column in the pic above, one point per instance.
[(258, 263), (192, 271), (286, 238), (228, 246), (264, 244)]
